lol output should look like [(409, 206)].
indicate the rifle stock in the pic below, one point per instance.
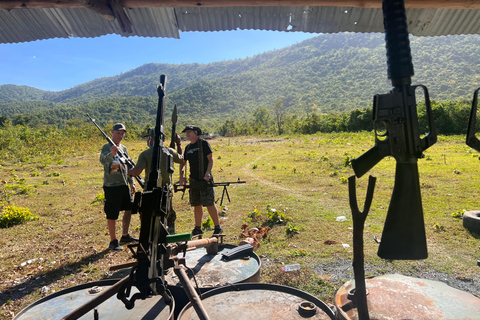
[(403, 234)]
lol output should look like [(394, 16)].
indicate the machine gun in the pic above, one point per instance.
[(177, 187), (122, 158), (472, 140), (148, 276), (396, 113)]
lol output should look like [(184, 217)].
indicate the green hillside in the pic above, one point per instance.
[(329, 73)]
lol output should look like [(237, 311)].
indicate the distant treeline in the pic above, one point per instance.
[(22, 142), (449, 117)]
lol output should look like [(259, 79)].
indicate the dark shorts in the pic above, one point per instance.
[(201, 195), (117, 199)]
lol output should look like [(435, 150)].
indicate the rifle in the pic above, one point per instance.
[(472, 140), (177, 187), (124, 159), (404, 231), (174, 125)]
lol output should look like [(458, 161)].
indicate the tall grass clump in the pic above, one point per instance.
[(26, 143)]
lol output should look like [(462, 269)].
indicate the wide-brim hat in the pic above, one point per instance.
[(119, 126), (193, 128)]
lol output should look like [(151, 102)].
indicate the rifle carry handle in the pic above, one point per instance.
[(431, 137)]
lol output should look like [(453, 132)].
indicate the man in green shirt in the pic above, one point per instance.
[(116, 183), (145, 163)]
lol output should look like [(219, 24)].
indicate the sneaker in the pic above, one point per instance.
[(197, 230), (217, 230), (127, 239), (114, 246)]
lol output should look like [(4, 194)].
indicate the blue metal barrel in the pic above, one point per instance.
[(395, 296), (259, 301), (60, 304)]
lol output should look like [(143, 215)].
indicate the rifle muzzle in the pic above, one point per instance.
[(403, 236)]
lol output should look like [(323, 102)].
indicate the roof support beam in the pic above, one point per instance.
[(37, 4)]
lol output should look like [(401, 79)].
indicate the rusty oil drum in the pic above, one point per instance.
[(395, 296), (60, 304), (210, 271), (259, 301)]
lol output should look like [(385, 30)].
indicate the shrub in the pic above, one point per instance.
[(12, 215)]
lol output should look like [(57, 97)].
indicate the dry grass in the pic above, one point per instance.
[(304, 176)]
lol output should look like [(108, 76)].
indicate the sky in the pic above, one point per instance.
[(60, 64)]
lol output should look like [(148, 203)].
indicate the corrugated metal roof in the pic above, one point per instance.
[(23, 25)]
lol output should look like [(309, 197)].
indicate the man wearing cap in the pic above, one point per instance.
[(145, 162), (116, 183), (199, 155)]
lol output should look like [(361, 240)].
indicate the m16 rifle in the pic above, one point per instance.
[(396, 114), (177, 187), (122, 158)]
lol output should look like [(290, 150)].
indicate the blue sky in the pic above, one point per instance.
[(59, 64)]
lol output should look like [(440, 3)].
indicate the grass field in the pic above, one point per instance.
[(304, 178)]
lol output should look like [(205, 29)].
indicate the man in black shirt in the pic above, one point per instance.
[(199, 155)]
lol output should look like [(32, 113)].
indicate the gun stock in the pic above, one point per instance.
[(472, 140), (403, 236)]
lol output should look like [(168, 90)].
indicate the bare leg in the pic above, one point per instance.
[(111, 229), (127, 217), (198, 211), (212, 210)]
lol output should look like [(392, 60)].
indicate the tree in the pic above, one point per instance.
[(279, 113)]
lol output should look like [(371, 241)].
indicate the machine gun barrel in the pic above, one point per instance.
[(124, 159)]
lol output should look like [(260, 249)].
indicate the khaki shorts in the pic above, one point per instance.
[(201, 195)]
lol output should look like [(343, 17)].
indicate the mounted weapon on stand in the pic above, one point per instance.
[(157, 250), (121, 157), (177, 187), (395, 113)]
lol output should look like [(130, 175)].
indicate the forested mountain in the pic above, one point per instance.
[(325, 74)]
